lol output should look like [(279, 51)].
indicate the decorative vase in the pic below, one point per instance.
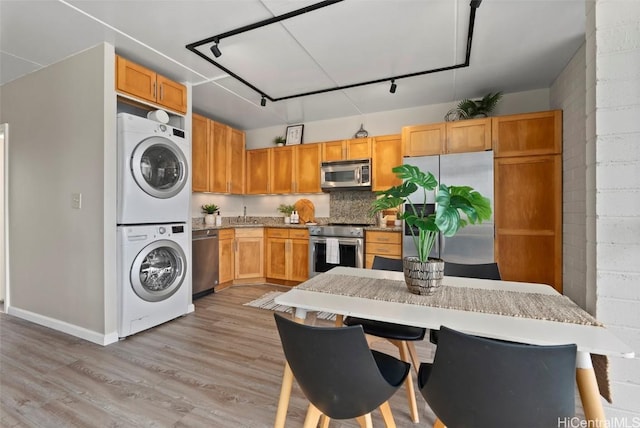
[(424, 278), (287, 219), (209, 219)]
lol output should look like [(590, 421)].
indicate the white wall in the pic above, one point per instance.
[(62, 121), (3, 142), (613, 185), (568, 94)]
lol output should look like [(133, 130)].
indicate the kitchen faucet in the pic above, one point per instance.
[(245, 213)]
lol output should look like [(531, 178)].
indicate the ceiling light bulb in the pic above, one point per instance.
[(215, 50), (393, 87), (263, 101)]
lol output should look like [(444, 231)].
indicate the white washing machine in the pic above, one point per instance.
[(154, 276), (153, 172)]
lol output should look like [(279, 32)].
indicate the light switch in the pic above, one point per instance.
[(76, 200)]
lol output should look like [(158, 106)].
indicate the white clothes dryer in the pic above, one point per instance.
[(154, 276), (153, 172)]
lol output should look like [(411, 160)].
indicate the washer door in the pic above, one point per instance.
[(158, 271), (159, 167)]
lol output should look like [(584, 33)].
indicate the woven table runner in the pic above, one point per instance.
[(550, 307)]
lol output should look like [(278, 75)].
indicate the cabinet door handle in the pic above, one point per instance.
[(161, 92), (154, 89)]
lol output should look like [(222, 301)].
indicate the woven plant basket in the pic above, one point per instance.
[(424, 278)]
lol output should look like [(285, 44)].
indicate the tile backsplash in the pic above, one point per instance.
[(351, 207)]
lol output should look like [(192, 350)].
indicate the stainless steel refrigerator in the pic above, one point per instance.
[(474, 243)]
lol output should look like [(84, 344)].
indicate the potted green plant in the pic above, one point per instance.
[(209, 210), (469, 109), (286, 210), (456, 207), (279, 141)]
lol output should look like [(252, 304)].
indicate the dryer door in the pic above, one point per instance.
[(158, 270), (159, 167)]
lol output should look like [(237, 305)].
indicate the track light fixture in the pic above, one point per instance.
[(393, 87), (263, 101), (215, 50)]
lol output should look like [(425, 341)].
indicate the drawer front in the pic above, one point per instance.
[(277, 233), (299, 233), (384, 237), (250, 232), (384, 249), (226, 234)]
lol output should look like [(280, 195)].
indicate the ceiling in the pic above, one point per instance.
[(518, 45)]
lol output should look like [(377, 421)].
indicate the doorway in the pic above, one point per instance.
[(4, 141)]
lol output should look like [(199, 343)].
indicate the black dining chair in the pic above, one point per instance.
[(338, 373), (481, 383), (401, 336), (482, 271)]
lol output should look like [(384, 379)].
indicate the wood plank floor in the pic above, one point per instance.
[(220, 366)]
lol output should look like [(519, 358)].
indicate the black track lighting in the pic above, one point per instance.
[(215, 50), (263, 101), (393, 87)]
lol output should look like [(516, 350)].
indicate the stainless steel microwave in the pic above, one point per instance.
[(345, 175)]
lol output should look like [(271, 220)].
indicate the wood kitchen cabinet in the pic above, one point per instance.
[(287, 255), (258, 171), (462, 136), (281, 170), (385, 244), (307, 168), (356, 148), (249, 253), (226, 255), (143, 83), (387, 154), (217, 157), (528, 197)]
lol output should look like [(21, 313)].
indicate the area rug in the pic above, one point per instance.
[(267, 302)]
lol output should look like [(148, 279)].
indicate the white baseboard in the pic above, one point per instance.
[(65, 327)]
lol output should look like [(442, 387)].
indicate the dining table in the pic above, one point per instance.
[(521, 312)]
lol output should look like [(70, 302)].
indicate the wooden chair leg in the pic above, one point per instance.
[(415, 361), (439, 424), (365, 421), (313, 416), (324, 421), (411, 394), (339, 319), (387, 416)]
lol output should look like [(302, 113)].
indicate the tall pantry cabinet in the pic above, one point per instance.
[(528, 196)]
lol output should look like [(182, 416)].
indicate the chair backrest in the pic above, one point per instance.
[(488, 383), (385, 263), (482, 271), (335, 368)]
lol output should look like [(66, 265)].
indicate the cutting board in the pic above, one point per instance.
[(306, 210)]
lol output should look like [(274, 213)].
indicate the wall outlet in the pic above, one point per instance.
[(76, 201)]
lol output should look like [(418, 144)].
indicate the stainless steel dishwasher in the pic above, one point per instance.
[(204, 251)]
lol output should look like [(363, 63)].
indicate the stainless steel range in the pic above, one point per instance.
[(335, 245)]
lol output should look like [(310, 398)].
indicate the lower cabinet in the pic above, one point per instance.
[(287, 254), (227, 256), (249, 253), (385, 244)]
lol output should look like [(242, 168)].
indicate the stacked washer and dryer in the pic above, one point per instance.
[(153, 242)]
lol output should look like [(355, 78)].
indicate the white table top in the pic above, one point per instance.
[(592, 339)]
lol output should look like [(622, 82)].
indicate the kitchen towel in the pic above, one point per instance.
[(333, 251)]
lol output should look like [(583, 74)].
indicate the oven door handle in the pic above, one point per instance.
[(341, 241)]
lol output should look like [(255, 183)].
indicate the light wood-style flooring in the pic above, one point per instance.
[(220, 366)]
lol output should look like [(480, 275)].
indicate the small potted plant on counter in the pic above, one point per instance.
[(279, 141), (456, 207), (209, 211), (286, 210)]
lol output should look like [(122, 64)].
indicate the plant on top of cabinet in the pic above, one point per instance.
[(279, 141), (470, 109)]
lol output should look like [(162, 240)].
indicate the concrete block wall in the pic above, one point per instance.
[(568, 94), (613, 203)]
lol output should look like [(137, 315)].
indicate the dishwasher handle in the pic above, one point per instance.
[(204, 234)]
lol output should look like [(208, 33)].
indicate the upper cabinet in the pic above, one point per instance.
[(387, 153), (356, 148), (282, 160), (306, 168), (528, 134), (473, 135), (258, 171), (217, 157), (146, 84), (424, 140)]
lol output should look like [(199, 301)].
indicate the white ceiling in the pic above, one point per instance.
[(518, 45)]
